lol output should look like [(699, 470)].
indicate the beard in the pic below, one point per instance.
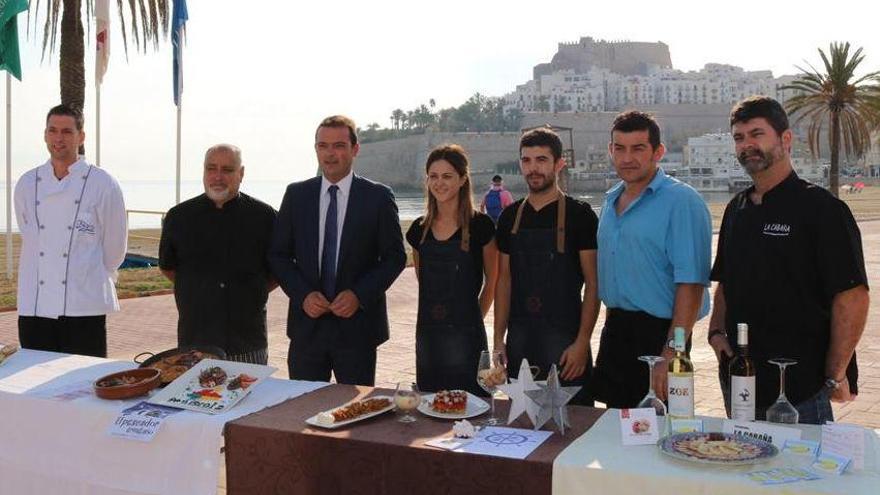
[(548, 182), (757, 160), (217, 194)]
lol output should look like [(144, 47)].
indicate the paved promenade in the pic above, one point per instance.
[(149, 324)]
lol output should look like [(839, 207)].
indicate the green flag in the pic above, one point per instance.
[(9, 59)]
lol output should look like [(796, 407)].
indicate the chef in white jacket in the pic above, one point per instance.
[(73, 229)]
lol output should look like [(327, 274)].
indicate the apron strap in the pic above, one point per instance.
[(424, 232), (560, 222)]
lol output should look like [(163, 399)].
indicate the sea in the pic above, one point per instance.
[(148, 200)]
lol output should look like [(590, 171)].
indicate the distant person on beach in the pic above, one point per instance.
[(71, 216), (496, 199), (547, 244), (336, 249), (214, 249), (655, 251), (456, 262), (789, 264)]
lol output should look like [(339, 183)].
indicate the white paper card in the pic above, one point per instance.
[(775, 434), (140, 422), (828, 463), (845, 440), (67, 392), (498, 441), (639, 426)]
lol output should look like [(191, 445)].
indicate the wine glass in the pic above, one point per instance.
[(491, 373), (406, 398), (651, 400), (782, 411)]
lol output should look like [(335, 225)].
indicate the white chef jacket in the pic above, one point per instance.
[(74, 236)]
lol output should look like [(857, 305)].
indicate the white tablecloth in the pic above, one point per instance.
[(599, 463), (61, 447)]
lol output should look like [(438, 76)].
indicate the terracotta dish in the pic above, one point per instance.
[(127, 384)]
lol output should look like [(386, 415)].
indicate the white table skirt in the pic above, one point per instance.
[(599, 463), (61, 447)]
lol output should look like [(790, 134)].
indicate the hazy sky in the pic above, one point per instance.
[(262, 74)]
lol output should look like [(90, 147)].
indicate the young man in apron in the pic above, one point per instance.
[(547, 244), (73, 231)]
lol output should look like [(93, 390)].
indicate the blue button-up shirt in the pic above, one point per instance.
[(663, 238)]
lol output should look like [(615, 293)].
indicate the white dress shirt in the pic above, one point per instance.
[(342, 196), (74, 237)]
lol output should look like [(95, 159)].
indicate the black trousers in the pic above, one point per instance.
[(620, 379), (314, 360), (86, 335)]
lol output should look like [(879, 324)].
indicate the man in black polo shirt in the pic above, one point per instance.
[(547, 244), (213, 248), (790, 265)]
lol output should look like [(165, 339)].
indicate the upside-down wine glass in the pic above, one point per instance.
[(782, 411), (650, 399)]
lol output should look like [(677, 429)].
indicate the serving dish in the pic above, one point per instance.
[(127, 384)]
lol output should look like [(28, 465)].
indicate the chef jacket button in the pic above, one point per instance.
[(42, 226), (38, 203), (39, 179), (41, 282), (222, 285), (85, 177), (76, 201), (41, 253), (70, 227), (64, 282), (64, 255)]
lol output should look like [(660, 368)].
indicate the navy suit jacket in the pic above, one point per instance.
[(371, 256)]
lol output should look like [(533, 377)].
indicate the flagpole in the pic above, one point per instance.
[(8, 176), (177, 180), (98, 124)]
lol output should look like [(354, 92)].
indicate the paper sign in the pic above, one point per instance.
[(845, 440), (498, 441), (775, 434), (686, 425), (140, 422), (801, 448), (781, 475), (639, 426), (828, 463)]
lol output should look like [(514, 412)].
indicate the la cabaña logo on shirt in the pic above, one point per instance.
[(84, 227), (777, 229)]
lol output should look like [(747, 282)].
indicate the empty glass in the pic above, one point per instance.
[(782, 411), (651, 400)]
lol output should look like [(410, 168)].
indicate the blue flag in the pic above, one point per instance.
[(179, 16)]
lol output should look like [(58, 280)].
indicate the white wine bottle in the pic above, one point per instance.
[(742, 378), (680, 380)]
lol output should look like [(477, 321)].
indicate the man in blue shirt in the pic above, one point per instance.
[(653, 260)]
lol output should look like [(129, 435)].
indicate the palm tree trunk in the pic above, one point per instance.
[(834, 173), (72, 58)]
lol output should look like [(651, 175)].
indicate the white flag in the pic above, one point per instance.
[(102, 39)]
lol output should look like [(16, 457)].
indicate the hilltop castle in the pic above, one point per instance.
[(628, 58)]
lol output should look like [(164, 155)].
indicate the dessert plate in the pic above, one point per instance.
[(475, 407)]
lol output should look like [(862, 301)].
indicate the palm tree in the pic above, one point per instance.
[(148, 19), (849, 105)]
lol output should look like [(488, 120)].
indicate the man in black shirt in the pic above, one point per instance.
[(547, 245), (214, 248), (790, 265)]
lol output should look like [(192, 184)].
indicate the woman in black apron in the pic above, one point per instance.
[(454, 253)]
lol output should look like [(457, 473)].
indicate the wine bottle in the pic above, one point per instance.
[(742, 378), (680, 380)]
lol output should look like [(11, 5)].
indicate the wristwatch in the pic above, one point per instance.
[(714, 332), (832, 384)]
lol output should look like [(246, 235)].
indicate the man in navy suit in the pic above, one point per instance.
[(336, 248)]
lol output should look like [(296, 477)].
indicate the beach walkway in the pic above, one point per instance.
[(149, 324)]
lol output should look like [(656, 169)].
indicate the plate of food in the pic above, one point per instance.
[(175, 362), (452, 404), (212, 386), (717, 448), (352, 412)]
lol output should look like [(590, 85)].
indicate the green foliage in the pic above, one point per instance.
[(838, 103), (478, 114)]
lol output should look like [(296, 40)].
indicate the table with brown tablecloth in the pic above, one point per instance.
[(275, 451)]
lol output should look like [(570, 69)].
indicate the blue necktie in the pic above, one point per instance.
[(328, 256)]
